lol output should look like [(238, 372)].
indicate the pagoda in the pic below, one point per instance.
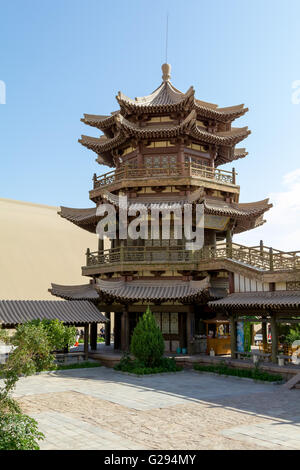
[(164, 149)]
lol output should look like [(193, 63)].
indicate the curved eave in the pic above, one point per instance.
[(101, 144), (159, 131), (245, 224), (77, 292), (103, 123), (229, 138), (227, 155), (240, 153), (237, 210), (83, 218), (219, 114)]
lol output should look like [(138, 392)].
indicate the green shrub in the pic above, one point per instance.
[(147, 343), (34, 343), (19, 432), (255, 373), (134, 366), (78, 365), (293, 335)]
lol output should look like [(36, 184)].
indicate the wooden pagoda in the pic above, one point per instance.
[(167, 148)]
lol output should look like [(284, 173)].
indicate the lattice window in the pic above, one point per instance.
[(293, 285), (160, 161)]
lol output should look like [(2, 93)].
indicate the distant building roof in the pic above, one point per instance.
[(258, 300), (14, 312)]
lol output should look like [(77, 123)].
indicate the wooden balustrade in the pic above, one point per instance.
[(187, 169), (258, 257)]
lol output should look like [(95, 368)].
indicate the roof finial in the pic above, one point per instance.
[(166, 70)]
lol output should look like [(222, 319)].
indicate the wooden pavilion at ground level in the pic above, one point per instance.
[(79, 313), (265, 307), (177, 305)]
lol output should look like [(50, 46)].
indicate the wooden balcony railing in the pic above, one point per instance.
[(187, 169), (262, 258)]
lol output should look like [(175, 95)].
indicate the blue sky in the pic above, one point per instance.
[(62, 58)]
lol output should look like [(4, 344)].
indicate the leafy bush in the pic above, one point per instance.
[(59, 335), (33, 344), (294, 335), (255, 373), (78, 365), (134, 366), (19, 432), (147, 343)]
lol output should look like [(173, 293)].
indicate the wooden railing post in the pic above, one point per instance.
[(94, 180), (261, 248), (271, 259), (233, 176), (121, 251), (261, 251), (88, 254)]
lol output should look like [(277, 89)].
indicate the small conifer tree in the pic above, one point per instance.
[(147, 343)]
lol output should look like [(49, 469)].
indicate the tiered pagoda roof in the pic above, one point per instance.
[(186, 113), (246, 215)]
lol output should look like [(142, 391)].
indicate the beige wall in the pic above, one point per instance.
[(38, 247)]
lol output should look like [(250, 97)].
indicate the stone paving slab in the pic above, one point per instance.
[(70, 433), (139, 393), (100, 408), (271, 435)]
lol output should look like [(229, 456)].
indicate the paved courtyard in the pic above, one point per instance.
[(102, 409)]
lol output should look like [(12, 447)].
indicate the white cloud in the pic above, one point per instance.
[(282, 229)]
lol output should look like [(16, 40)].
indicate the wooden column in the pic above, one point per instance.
[(86, 341), (107, 329), (117, 330), (231, 282), (233, 336), (182, 329), (140, 160), (271, 259), (190, 330), (229, 243), (180, 155), (274, 334), (93, 336), (100, 244), (125, 329), (264, 335)]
